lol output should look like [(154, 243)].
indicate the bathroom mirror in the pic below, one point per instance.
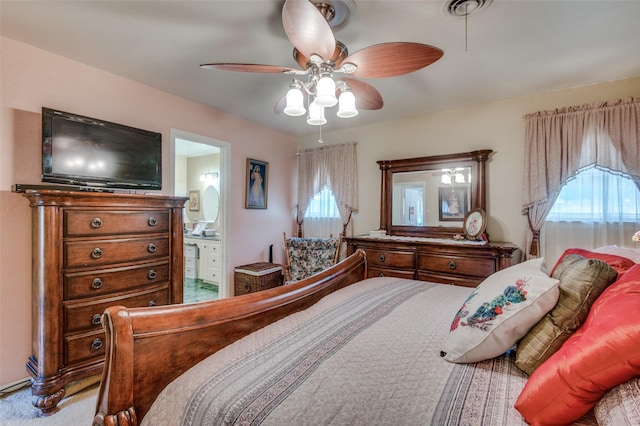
[(210, 204), (430, 196)]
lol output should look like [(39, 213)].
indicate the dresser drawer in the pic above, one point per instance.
[(469, 266), (82, 347), (104, 252), (81, 316), (458, 280), (390, 258), (373, 272), (97, 283), (107, 222)]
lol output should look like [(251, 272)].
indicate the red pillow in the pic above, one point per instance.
[(603, 353), (619, 263)]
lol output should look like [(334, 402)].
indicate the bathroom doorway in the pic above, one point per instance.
[(199, 171)]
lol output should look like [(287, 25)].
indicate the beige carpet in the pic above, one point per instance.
[(76, 409)]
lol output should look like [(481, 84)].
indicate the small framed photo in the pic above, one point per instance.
[(194, 200), (474, 224), (257, 184), (453, 203)]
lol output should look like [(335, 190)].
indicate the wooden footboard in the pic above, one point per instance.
[(147, 348)]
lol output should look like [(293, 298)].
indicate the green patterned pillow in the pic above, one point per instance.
[(581, 282)]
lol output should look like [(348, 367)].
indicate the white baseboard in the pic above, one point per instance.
[(14, 386)]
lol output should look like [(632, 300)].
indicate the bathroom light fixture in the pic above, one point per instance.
[(209, 176)]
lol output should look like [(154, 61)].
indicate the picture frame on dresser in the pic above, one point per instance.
[(474, 224)]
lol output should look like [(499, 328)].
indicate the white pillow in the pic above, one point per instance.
[(629, 253), (499, 312)]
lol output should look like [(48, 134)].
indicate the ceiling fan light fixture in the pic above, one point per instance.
[(295, 102), (316, 115), (347, 105), (326, 92)]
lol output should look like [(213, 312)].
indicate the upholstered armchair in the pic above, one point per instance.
[(308, 256)]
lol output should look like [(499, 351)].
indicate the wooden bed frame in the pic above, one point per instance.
[(147, 348)]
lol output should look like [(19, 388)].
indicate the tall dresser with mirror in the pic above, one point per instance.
[(424, 202), (93, 250)]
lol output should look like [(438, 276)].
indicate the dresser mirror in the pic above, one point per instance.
[(430, 196)]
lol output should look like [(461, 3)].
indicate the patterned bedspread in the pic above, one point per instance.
[(368, 354)]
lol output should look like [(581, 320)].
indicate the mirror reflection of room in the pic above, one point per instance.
[(198, 178)]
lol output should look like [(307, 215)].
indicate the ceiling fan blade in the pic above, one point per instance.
[(307, 29), (250, 68), (367, 96), (392, 59)]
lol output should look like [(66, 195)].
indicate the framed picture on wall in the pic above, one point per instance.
[(453, 203), (257, 184), (194, 200)]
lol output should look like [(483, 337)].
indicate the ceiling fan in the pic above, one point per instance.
[(321, 57)]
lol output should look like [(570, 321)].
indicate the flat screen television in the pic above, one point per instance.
[(88, 152)]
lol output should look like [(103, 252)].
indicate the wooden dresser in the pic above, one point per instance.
[(93, 250), (432, 259)]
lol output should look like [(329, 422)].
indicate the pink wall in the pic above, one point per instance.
[(30, 79)]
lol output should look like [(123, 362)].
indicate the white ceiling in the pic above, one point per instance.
[(514, 48)]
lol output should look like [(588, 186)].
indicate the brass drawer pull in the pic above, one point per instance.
[(152, 248), (247, 287), (97, 253), (96, 223), (152, 303), (96, 283), (452, 265), (152, 221), (381, 274), (97, 344), (152, 274), (95, 320), (381, 258)]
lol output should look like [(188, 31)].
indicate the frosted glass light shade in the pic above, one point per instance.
[(316, 114), (295, 103), (326, 92), (347, 106)]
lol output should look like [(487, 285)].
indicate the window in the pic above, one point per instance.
[(322, 218), (597, 195), (596, 208), (323, 205)]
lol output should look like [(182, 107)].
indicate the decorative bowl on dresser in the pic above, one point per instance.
[(92, 250)]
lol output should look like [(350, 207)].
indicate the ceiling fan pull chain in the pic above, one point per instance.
[(466, 33)]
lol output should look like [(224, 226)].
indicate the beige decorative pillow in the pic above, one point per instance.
[(581, 282)]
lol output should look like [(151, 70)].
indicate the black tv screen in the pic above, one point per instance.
[(84, 151)]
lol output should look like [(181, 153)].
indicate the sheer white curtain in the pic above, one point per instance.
[(596, 208), (334, 167), (561, 142), (322, 218)]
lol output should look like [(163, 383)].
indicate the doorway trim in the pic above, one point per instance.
[(225, 218)]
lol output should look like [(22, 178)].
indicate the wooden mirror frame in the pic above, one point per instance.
[(474, 159)]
